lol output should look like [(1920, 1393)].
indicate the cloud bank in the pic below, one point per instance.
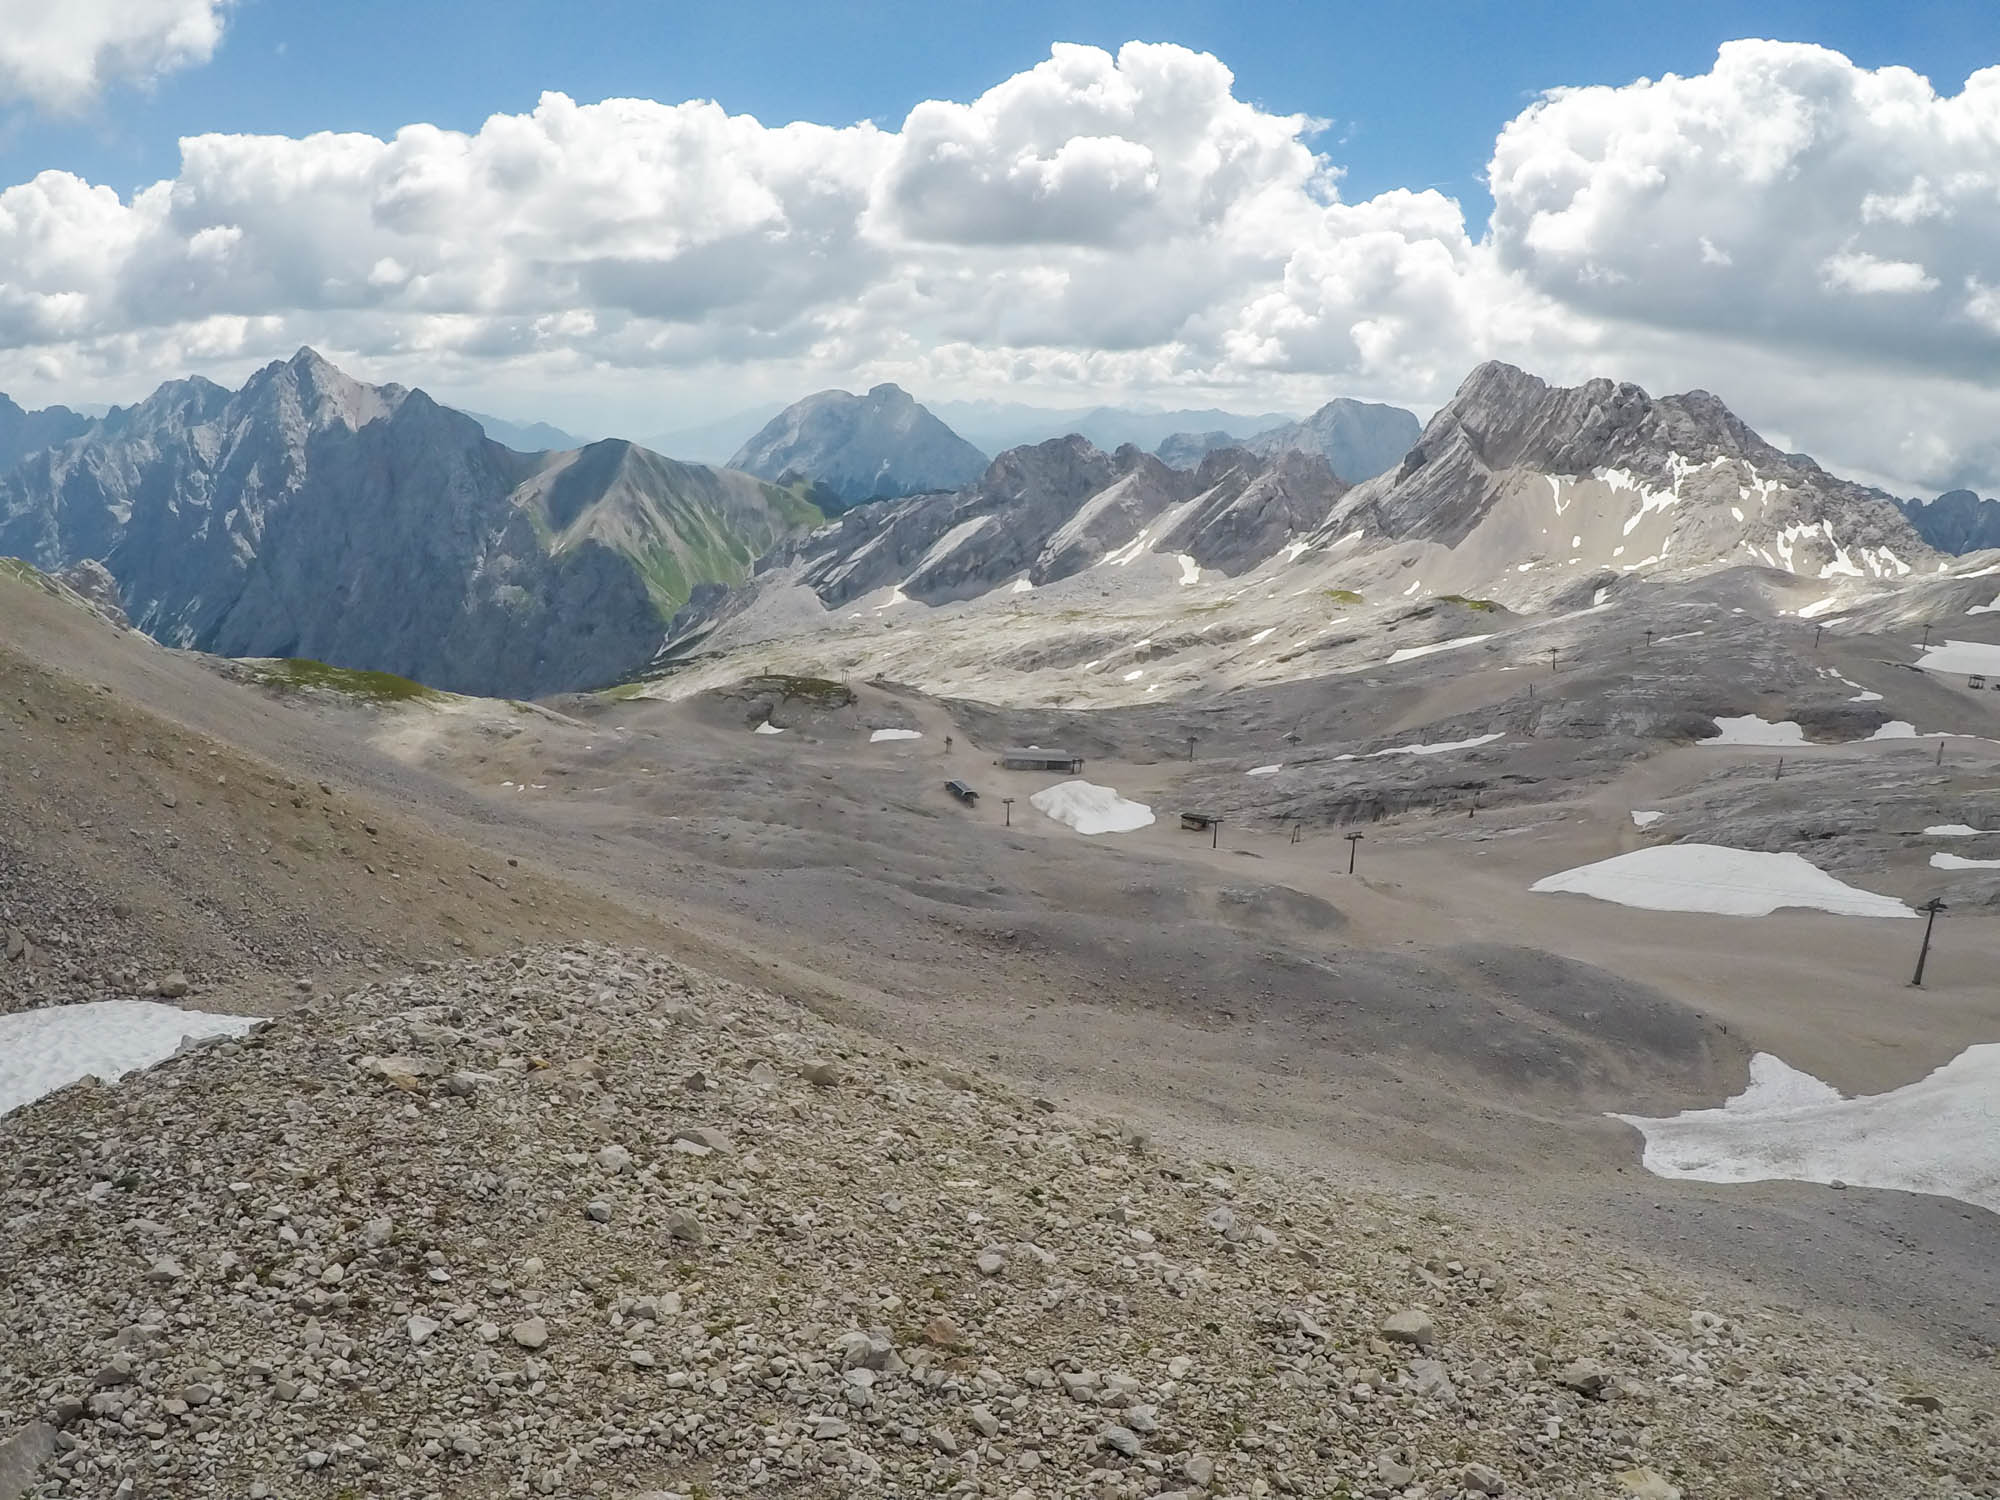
[(1810, 238), (58, 55)]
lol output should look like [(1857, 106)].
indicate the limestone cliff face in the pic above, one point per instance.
[(862, 447), (312, 515), (1733, 496), (1045, 512)]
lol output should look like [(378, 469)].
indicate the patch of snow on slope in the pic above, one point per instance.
[(1411, 653), (896, 597), (1647, 819), (1951, 831), (1091, 809), (1423, 749), (1190, 569), (1130, 550), (1135, 674), (44, 1050), (1939, 1135), (1264, 770), (1960, 862), (1718, 880), (767, 727), (1022, 585), (1749, 729), (1263, 635), (894, 734)]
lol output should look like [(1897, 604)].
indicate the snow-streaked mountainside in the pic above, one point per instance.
[(1957, 521), (311, 515), (1358, 439), (861, 447), (1519, 501)]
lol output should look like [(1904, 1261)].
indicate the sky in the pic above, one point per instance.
[(626, 217)]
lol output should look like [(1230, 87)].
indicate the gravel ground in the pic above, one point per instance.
[(577, 1220)]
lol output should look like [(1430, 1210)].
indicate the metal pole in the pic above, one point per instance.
[(1818, 631), (1008, 803), (1215, 834), (1191, 739), (1775, 775), (1940, 759), (1353, 843), (1930, 909)]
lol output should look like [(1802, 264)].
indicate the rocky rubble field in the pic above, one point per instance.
[(575, 1221)]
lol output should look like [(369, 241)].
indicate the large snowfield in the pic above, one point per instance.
[(1089, 808), (44, 1050), (1722, 881), (1938, 1135)]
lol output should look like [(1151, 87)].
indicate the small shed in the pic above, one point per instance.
[(961, 791), (1198, 821), (1034, 758)]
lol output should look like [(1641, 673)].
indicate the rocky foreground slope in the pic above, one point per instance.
[(576, 1221)]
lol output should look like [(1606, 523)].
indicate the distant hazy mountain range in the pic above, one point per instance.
[(525, 437), (311, 515), (1358, 439), (861, 447)]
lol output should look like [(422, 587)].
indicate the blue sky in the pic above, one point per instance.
[(1793, 205), (1413, 94)]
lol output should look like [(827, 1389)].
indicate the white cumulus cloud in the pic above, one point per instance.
[(1809, 238), (60, 54)]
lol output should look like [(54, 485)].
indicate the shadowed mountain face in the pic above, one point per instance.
[(861, 447), (26, 432), (1957, 521), (312, 515)]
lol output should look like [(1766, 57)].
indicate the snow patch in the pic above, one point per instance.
[(1423, 749), (1091, 809), (1939, 1135), (1749, 729), (1190, 569), (1718, 880), (1960, 862), (1264, 770), (1646, 819), (1022, 585), (1961, 656), (1951, 831), (894, 734), (1411, 653), (767, 727), (44, 1050)]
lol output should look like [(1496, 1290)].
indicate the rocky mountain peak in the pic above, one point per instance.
[(861, 448)]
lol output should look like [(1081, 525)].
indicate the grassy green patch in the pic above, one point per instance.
[(1342, 597), (298, 673), (818, 691), (1485, 604), (17, 568)]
